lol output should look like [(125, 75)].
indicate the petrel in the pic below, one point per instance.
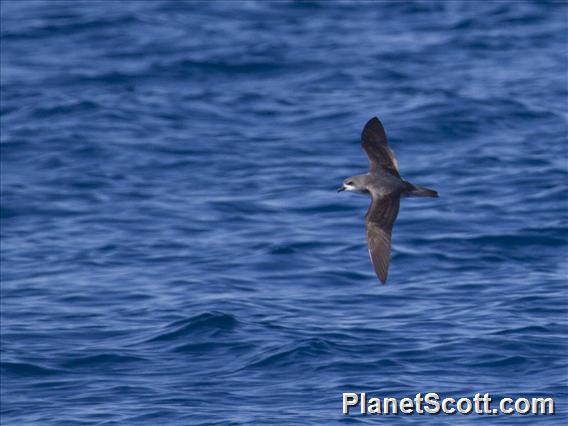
[(385, 186)]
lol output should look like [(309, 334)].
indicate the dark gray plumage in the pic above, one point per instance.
[(385, 186)]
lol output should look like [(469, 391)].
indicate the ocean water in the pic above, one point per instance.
[(173, 248)]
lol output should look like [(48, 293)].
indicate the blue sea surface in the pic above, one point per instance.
[(174, 250)]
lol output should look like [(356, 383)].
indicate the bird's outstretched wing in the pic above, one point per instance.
[(375, 145), (379, 222)]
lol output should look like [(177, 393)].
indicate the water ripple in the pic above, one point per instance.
[(173, 248)]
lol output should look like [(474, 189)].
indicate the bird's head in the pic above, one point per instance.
[(354, 184)]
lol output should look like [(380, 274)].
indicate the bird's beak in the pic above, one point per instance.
[(341, 188)]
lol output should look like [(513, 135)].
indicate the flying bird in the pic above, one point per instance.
[(385, 186)]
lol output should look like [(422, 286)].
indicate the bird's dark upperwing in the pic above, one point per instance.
[(375, 145), (379, 222)]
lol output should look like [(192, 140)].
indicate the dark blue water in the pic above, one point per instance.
[(173, 248)]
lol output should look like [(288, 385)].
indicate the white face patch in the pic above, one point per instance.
[(349, 187)]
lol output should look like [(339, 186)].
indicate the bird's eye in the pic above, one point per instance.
[(350, 183)]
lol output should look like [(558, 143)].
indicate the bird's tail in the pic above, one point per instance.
[(420, 191)]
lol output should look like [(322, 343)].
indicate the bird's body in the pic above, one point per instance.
[(380, 183), (385, 186)]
